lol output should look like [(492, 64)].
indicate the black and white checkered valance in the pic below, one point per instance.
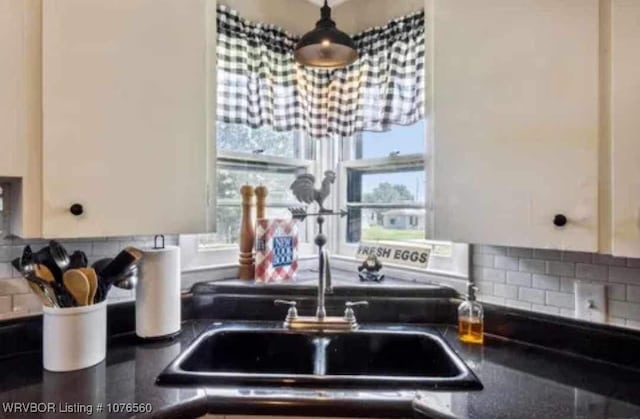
[(260, 84)]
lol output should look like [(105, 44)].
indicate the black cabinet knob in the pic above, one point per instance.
[(76, 209), (559, 220)]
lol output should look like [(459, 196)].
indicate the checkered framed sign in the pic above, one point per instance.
[(276, 250)]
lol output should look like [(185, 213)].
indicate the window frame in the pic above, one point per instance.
[(195, 257)]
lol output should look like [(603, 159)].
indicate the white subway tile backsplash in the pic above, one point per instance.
[(493, 250), (483, 260), (626, 275), (580, 257), (522, 279), (106, 248), (617, 291), (546, 282), (591, 271), (506, 262), (506, 291), (531, 295), (560, 299), (495, 275), (546, 254), (624, 310), (633, 293), (566, 312), (518, 304), (545, 309), (27, 302), (5, 304), (567, 284), (14, 286), (485, 287), (633, 263), (617, 321), (520, 252), (532, 266), (609, 260), (491, 300), (633, 324), (561, 268)]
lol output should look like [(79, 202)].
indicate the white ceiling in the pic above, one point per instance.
[(331, 2)]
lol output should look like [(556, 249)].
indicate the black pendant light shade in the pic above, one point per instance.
[(326, 46)]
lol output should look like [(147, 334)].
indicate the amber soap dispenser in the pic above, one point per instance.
[(471, 318)]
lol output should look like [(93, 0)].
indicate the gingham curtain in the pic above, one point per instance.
[(260, 84)]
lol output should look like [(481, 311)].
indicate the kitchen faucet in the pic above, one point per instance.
[(303, 189)]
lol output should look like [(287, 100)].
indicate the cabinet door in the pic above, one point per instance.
[(20, 112), (625, 126), (515, 133), (125, 116)]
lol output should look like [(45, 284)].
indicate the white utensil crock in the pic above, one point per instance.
[(74, 338)]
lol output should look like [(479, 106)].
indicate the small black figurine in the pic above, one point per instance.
[(370, 270)]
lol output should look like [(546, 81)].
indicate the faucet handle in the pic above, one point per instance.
[(292, 313), (349, 314)]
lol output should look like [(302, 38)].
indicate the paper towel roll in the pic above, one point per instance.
[(158, 293)]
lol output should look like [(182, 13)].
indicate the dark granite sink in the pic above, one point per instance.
[(247, 351), (389, 354), (374, 356)]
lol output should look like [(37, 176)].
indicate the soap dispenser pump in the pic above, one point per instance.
[(471, 318)]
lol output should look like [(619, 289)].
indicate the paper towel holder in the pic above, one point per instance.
[(155, 241)]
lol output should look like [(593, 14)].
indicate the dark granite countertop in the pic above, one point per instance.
[(521, 381)]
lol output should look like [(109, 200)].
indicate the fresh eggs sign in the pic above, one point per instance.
[(395, 253)]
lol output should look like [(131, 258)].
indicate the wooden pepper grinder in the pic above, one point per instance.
[(247, 236), (261, 197)]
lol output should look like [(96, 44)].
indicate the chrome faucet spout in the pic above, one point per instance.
[(321, 311)]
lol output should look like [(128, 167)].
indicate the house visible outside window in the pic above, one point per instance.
[(255, 157), (384, 186)]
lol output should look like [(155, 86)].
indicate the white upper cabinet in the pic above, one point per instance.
[(125, 116), (20, 111), (515, 122), (625, 127)]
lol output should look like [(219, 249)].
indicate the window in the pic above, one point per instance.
[(255, 157), (385, 186)]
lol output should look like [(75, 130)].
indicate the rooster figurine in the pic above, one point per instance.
[(304, 189)]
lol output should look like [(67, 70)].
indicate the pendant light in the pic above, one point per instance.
[(326, 46)]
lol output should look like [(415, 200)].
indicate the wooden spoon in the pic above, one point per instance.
[(45, 273), (77, 284), (92, 277)]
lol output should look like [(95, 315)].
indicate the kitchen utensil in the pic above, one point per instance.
[(44, 257), (103, 284), (92, 277), (129, 279), (78, 259), (48, 290), (59, 255), (121, 263), (100, 264), (27, 265), (77, 284), (46, 300), (44, 273)]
